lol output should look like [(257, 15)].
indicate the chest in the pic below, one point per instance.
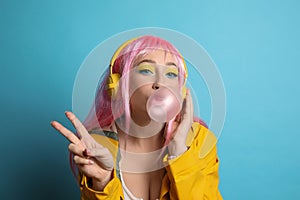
[(144, 185)]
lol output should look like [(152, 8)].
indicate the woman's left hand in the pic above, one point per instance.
[(181, 127)]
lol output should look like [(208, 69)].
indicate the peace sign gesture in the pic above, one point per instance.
[(91, 158)]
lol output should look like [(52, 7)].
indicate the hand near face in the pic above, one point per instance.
[(91, 158), (181, 126)]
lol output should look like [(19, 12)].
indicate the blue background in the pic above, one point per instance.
[(255, 45)]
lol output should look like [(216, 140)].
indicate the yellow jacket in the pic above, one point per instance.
[(193, 175)]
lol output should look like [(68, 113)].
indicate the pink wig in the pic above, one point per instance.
[(101, 114)]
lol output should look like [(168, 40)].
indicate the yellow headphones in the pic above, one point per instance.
[(113, 79)]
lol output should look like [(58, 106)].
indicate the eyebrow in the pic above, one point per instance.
[(152, 61), (146, 60), (171, 63)]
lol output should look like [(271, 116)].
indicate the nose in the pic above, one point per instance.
[(155, 86), (157, 83)]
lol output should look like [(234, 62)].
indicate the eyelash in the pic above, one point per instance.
[(171, 75), (149, 72), (146, 72)]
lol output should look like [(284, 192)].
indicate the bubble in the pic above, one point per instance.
[(163, 105)]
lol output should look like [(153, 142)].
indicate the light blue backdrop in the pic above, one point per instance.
[(254, 43)]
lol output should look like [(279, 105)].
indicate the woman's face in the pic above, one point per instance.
[(156, 69)]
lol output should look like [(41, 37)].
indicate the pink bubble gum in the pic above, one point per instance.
[(163, 105)]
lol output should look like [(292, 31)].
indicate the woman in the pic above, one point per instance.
[(131, 145)]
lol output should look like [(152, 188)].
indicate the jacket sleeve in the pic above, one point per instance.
[(113, 190), (194, 174)]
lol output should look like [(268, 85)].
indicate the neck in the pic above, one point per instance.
[(131, 127), (141, 147), (140, 155), (139, 144)]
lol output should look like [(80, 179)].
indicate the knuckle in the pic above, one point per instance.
[(76, 158), (70, 147)]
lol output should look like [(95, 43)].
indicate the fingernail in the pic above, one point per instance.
[(52, 123), (91, 162), (88, 150)]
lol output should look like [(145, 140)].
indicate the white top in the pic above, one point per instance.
[(127, 194)]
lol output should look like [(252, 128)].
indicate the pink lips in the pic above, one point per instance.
[(163, 105)]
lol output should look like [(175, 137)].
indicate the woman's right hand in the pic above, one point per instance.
[(91, 158)]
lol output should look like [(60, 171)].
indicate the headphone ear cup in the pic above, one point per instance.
[(112, 85)]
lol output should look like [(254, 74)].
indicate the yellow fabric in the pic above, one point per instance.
[(192, 176)]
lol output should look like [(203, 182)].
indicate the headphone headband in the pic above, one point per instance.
[(117, 52)]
